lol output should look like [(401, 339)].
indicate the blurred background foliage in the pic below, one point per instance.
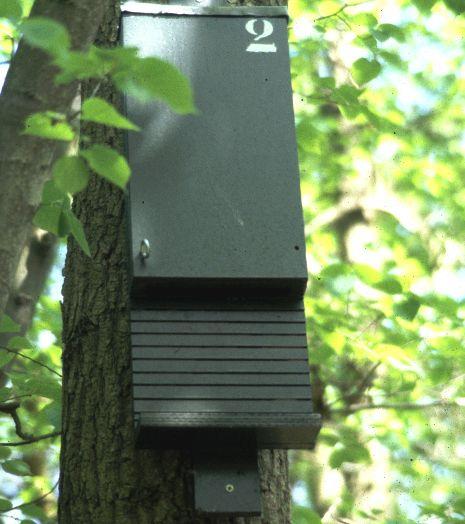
[(379, 96)]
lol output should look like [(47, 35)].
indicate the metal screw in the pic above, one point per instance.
[(144, 251), (229, 488)]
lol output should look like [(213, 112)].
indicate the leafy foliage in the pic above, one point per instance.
[(380, 134), (379, 110)]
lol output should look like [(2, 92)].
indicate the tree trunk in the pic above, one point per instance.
[(104, 479), (25, 161)]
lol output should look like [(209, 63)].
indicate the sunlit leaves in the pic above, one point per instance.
[(354, 453), (98, 110), (5, 505), (48, 218), (48, 125), (7, 325), (364, 70), (457, 6), (54, 213), (16, 467), (11, 9), (46, 34), (76, 229), (385, 31), (70, 174), (408, 308), (108, 163), (5, 452), (304, 515), (154, 78)]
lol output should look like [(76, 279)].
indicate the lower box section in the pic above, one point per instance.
[(226, 479)]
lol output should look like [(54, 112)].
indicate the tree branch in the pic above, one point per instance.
[(341, 10), (17, 353), (401, 406), (32, 439), (35, 501), (10, 408)]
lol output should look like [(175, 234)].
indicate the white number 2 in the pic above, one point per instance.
[(266, 31)]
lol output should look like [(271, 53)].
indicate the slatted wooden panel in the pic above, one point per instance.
[(232, 361)]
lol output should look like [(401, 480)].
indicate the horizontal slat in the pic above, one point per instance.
[(218, 366), (218, 316), (222, 392), (220, 353), (223, 406), (291, 379), (219, 340), (225, 328)]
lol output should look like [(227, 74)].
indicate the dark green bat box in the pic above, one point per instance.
[(216, 194), (219, 350)]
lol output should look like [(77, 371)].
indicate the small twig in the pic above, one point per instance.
[(29, 358), (399, 406), (341, 9), (35, 501), (32, 439), (10, 408)]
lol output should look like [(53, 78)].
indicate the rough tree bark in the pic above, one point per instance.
[(24, 160), (104, 479)]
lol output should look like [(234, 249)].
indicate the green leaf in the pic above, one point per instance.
[(385, 31), (154, 78), (303, 515), (76, 229), (364, 19), (389, 285), (51, 194), (457, 6), (356, 453), (367, 274), (16, 467), (46, 34), (407, 309), (424, 6), (98, 110), (19, 343), (76, 65), (5, 452), (45, 125), (364, 70), (5, 505), (11, 9), (48, 217), (108, 163), (51, 414), (8, 325), (5, 357), (43, 386), (70, 174)]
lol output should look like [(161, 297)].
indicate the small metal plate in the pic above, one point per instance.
[(226, 481)]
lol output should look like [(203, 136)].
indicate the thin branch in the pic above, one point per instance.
[(35, 501), (10, 408), (342, 9), (404, 406), (32, 439), (30, 358)]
